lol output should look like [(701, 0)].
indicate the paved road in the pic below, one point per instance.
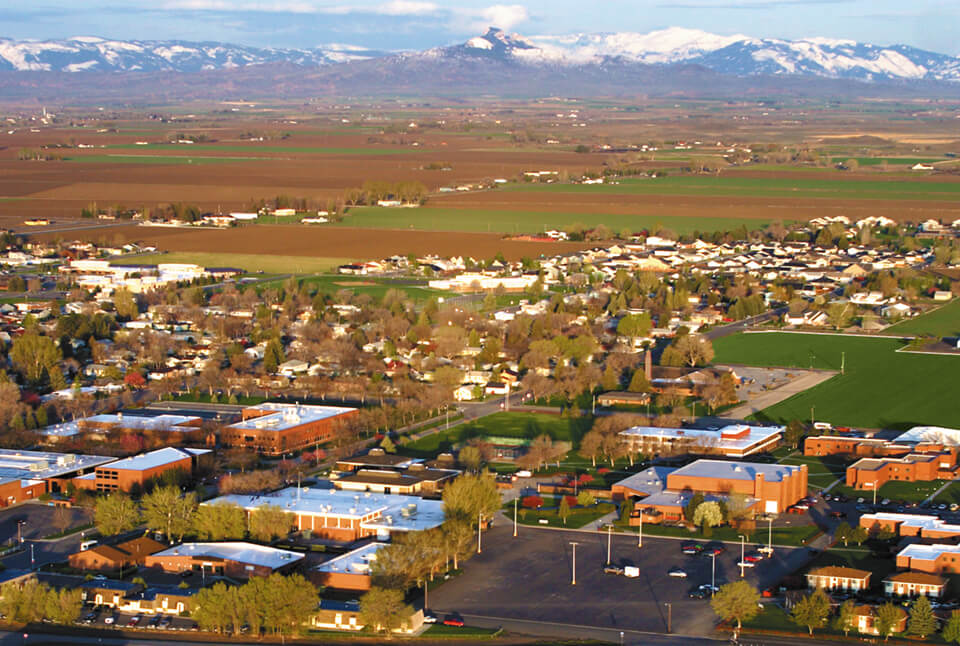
[(740, 326), (772, 397)]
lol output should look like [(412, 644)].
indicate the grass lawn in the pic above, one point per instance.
[(271, 264), (781, 535), (881, 388), (473, 632), (579, 516), (772, 618), (950, 495), (730, 185), (525, 425), (894, 490), (821, 472), (374, 287), (436, 218), (943, 321)]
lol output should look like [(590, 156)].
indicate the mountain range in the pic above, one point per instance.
[(733, 55)]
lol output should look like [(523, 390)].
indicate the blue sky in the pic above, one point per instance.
[(418, 24)]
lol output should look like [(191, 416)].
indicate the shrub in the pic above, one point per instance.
[(532, 502)]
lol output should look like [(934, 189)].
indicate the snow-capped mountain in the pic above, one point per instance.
[(87, 53), (737, 55)]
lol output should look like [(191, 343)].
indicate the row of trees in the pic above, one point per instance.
[(276, 604), (34, 601), (175, 514)]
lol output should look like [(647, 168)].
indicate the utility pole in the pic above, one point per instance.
[(574, 580), (640, 533), (515, 517), (812, 422), (770, 536), (609, 538), (479, 530), (743, 540)]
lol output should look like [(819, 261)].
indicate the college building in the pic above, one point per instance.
[(26, 475), (350, 571), (873, 473), (109, 558), (345, 516), (276, 428), (734, 441), (920, 525), (136, 471), (235, 559), (933, 559), (382, 472)]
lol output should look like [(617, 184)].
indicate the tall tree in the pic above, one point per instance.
[(383, 610), (737, 601), (707, 515), (126, 303), (35, 356), (168, 510), (951, 630), (846, 617), (634, 326), (887, 619), (269, 522), (694, 350), (921, 622), (219, 522), (811, 611), (564, 510), (116, 513), (469, 496)]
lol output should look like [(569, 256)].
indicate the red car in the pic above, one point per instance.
[(756, 557), (453, 621)]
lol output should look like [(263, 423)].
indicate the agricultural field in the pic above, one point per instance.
[(880, 388), (485, 220), (160, 160), (943, 321)]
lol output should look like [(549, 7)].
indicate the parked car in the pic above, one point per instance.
[(714, 549), (753, 557), (677, 573), (690, 547), (612, 569), (109, 620), (838, 514), (746, 563), (429, 618), (523, 473), (134, 621), (453, 620)]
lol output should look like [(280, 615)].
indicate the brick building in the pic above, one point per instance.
[(774, 486), (350, 571), (735, 440), (345, 515), (136, 471), (873, 473), (108, 558), (232, 559), (276, 428), (920, 525), (822, 445), (933, 559), (833, 577), (164, 427), (26, 475), (913, 584), (865, 620)]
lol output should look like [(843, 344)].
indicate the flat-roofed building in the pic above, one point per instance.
[(276, 428), (166, 427), (834, 577), (933, 559), (775, 486), (345, 515), (376, 458), (643, 483), (822, 445), (914, 584), (418, 479), (233, 559), (136, 471), (735, 440), (873, 473), (26, 475), (930, 435), (922, 525), (350, 571)]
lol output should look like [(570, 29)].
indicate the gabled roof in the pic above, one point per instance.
[(840, 572)]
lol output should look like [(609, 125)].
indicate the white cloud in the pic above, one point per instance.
[(392, 8), (505, 16), (406, 8)]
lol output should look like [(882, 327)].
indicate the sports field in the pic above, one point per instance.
[(494, 220), (943, 321), (271, 264), (374, 287), (731, 185), (880, 388)]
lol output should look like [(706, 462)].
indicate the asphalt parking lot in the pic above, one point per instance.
[(529, 578)]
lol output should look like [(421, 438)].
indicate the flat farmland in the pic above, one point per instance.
[(880, 387), (509, 221), (342, 244)]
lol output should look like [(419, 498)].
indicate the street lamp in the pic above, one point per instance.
[(609, 536), (669, 617), (515, 517), (743, 542), (713, 573), (574, 580), (479, 531), (20, 524), (640, 533)]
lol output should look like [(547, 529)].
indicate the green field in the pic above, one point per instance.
[(943, 321), (271, 264), (799, 535), (821, 472), (891, 161), (525, 425), (480, 220), (880, 389), (894, 490), (950, 495), (254, 148), (771, 187), (578, 517), (160, 159), (373, 287)]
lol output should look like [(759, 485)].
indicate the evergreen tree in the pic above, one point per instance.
[(921, 622)]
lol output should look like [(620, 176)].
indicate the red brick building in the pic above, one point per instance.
[(232, 559), (108, 558), (775, 486), (136, 471), (872, 473), (276, 428)]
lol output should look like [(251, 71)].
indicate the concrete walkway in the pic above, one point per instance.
[(939, 491), (768, 399)]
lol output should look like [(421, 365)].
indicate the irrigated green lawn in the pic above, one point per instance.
[(950, 495), (799, 535), (437, 218), (943, 321), (909, 491), (578, 517), (881, 388), (526, 425), (375, 287), (821, 472), (730, 185)]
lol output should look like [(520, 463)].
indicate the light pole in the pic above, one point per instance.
[(743, 543), (609, 537), (515, 517), (640, 533), (769, 536), (479, 531), (32, 560), (713, 573), (574, 580), (20, 524), (669, 617)]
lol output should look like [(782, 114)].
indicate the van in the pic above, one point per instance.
[(631, 571)]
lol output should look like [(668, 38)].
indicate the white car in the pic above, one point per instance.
[(523, 473), (745, 564), (677, 573), (429, 618)]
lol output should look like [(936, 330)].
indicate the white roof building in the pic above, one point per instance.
[(237, 551), (158, 458), (735, 440), (280, 416), (930, 435)]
